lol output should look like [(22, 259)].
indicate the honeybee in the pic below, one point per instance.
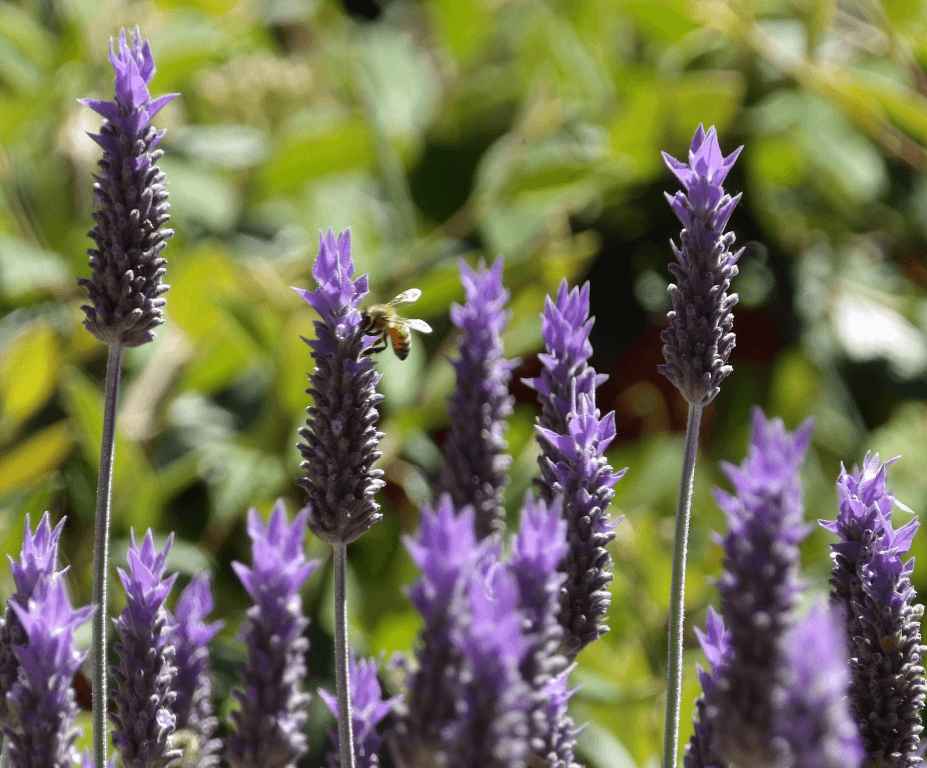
[(384, 321)]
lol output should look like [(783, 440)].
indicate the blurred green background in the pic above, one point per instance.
[(464, 129)]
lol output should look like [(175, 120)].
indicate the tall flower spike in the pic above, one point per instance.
[(340, 433), (813, 720), (716, 644), (700, 336), (196, 720), (144, 693), (873, 586), (584, 478), (37, 560), (759, 586), (271, 724), (42, 696), (475, 462), (126, 282), (368, 708)]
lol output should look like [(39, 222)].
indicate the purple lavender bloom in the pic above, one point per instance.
[(562, 733), (475, 462), (126, 282), (873, 585), (759, 586), (193, 708), (716, 644), (584, 478), (38, 559), (145, 675), (813, 721), (270, 726), (42, 697), (565, 328), (340, 433), (368, 708), (700, 336), (86, 760)]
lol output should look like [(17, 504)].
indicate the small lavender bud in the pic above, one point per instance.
[(193, 708), (759, 586), (143, 718), (584, 479), (813, 721), (368, 708), (126, 282), (873, 586), (475, 462), (37, 560), (42, 698), (340, 433), (716, 645), (270, 726), (700, 336)]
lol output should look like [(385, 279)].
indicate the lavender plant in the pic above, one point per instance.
[(270, 726), (144, 717), (475, 462), (125, 285), (697, 346), (873, 587)]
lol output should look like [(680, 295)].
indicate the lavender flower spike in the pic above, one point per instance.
[(126, 282), (700, 336), (759, 586), (716, 644), (340, 433), (144, 692), (813, 721), (42, 697), (368, 708), (873, 586), (270, 726), (38, 559), (196, 720), (475, 462)]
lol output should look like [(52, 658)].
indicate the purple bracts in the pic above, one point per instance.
[(193, 708), (270, 726), (759, 586), (42, 697), (368, 708), (873, 586), (716, 644), (127, 269), (584, 478), (37, 560), (475, 462), (340, 433), (143, 693), (700, 336), (814, 726)]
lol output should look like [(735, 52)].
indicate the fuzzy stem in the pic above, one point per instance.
[(342, 681), (101, 554), (678, 591), (5, 754)]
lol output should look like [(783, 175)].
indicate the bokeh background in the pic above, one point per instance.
[(456, 129)]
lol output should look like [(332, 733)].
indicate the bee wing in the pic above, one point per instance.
[(406, 297), (418, 325)]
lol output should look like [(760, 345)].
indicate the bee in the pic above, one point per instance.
[(384, 321)]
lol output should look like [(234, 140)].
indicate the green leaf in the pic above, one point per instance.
[(29, 366)]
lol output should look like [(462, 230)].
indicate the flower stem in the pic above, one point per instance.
[(342, 682), (101, 554), (678, 591)]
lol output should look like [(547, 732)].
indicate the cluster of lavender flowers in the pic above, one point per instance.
[(842, 685)]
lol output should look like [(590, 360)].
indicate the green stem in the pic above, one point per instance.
[(342, 673), (101, 554), (678, 591)]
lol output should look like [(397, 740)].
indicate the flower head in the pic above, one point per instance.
[(144, 693), (340, 433), (126, 281), (270, 726), (700, 336), (716, 644), (475, 462), (42, 697)]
